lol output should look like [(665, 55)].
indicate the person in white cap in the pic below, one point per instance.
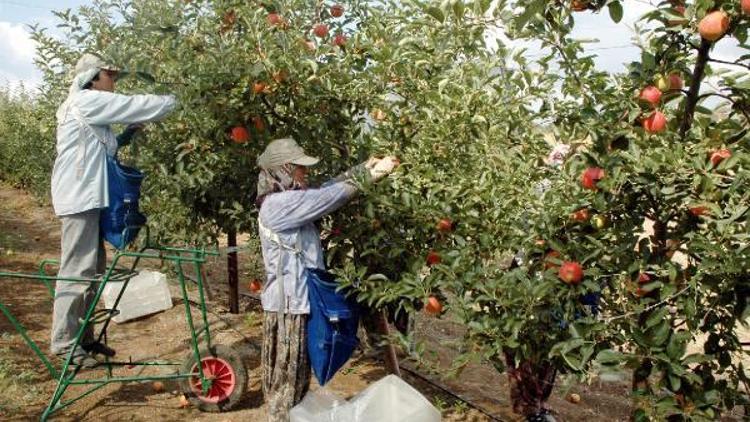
[(79, 190), (288, 212)]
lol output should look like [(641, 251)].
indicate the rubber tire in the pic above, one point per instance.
[(240, 373)]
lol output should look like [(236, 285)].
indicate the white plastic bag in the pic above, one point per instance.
[(390, 399), (147, 293)]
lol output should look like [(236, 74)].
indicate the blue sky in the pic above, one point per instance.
[(16, 49), (613, 44)]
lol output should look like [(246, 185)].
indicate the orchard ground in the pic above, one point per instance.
[(31, 233)]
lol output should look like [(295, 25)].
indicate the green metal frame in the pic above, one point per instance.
[(67, 374)]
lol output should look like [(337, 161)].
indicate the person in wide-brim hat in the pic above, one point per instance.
[(290, 243)]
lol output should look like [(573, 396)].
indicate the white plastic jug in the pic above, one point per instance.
[(390, 399), (147, 293)]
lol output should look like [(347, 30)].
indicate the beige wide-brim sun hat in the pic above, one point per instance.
[(285, 151)]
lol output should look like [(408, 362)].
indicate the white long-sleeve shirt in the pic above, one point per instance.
[(79, 177)]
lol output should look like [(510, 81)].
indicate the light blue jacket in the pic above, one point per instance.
[(84, 138), (292, 216)]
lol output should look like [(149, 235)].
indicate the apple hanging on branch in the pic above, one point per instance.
[(591, 176), (571, 273), (655, 123), (320, 30), (714, 25), (239, 135), (650, 95)]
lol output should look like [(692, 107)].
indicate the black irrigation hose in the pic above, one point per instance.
[(451, 393), (428, 381)]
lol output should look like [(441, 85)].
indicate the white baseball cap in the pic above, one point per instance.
[(90, 61)]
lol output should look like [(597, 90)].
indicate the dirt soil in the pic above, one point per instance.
[(29, 232)]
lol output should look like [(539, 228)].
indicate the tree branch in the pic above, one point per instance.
[(729, 63), (695, 84)]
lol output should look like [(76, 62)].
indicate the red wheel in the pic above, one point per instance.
[(223, 380), (224, 367)]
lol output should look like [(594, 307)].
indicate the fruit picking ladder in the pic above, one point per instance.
[(217, 384)]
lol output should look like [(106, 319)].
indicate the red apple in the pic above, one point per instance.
[(643, 278), (655, 123), (591, 176), (433, 306), (274, 19), (445, 225), (675, 81), (239, 135), (337, 10), (581, 215), (651, 95), (699, 210), (433, 258), (255, 286), (339, 40), (570, 273), (745, 4), (259, 87), (320, 30), (714, 25), (720, 155)]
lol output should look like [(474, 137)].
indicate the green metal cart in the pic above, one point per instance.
[(216, 384)]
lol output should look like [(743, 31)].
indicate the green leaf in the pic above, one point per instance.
[(610, 357), (436, 13), (458, 8), (674, 382), (660, 333), (615, 11)]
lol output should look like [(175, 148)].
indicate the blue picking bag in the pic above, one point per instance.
[(332, 325), (121, 221)]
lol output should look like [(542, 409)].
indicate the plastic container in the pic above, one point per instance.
[(147, 293), (389, 400)]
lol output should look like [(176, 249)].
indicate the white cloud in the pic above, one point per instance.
[(17, 51)]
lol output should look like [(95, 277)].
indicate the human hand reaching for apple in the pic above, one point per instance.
[(380, 168)]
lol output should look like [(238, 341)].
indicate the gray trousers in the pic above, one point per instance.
[(83, 256)]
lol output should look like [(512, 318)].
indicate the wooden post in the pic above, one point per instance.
[(234, 293)]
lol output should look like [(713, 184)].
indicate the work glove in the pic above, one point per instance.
[(380, 168)]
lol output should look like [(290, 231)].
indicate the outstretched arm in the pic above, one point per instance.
[(106, 108)]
